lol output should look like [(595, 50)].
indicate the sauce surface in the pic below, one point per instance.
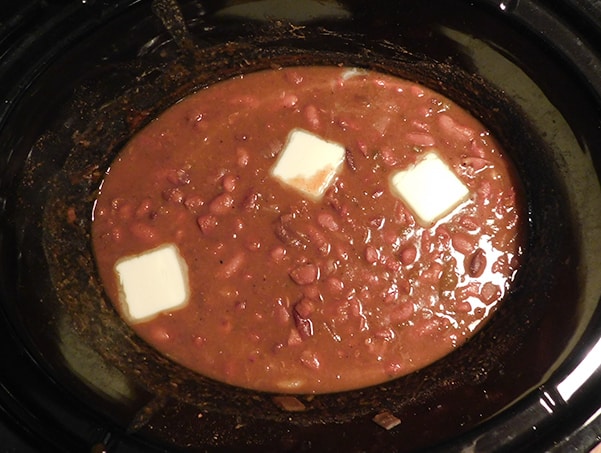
[(290, 294)]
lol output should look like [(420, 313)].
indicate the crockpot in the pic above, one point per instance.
[(79, 78)]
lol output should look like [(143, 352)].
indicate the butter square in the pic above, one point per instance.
[(152, 282), (308, 163), (430, 188)]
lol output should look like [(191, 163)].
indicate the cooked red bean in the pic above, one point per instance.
[(335, 285), (490, 292), (207, 223), (326, 220), (420, 139), (463, 243), (371, 254), (305, 274), (310, 360), (408, 255), (303, 325), (477, 263), (143, 231), (144, 208), (304, 308), (229, 183), (278, 253), (194, 202), (175, 195), (231, 266), (222, 204)]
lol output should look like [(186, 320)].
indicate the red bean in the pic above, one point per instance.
[(457, 131), (305, 274), (143, 231), (402, 312), (294, 338), (243, 156), (312, 116), (408, 255), (178, 177), (335, 285), (278, 253), (392, 264), (463, 307), (378, 222), (123, 208), (160, 334), (207, 223), (477, 263), (253, 244), (319, 240), (221, 204), (117, 233), (420, 139), (477, 149), (251, 201), (388, 156), (174, 195), (311, 291), (463, 243), (490, 293), (247, 100), (281, 312), (432, 273), (194, 202), (371, 254), (327, 221), (288, 100), (144, 208), (310, 360), (294, 77), (229, 183), (304, 307), (477, 164), (469, 223), (233, 265), (485, 192)]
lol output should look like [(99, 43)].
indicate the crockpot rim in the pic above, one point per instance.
[(591, 64)]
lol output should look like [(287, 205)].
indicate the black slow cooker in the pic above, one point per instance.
[(79, 78)]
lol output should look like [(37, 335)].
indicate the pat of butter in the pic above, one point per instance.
[(152, 282), (308, 163), (430, 188)]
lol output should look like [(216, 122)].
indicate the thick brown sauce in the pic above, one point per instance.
[(296, 295)]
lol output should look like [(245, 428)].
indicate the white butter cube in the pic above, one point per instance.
[(430, 188), (308, 163), (152, 282)]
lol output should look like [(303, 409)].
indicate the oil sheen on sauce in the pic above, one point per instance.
[(290, 294)]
